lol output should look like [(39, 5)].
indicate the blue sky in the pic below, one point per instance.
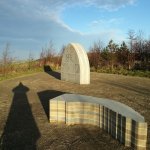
[(28, 25)]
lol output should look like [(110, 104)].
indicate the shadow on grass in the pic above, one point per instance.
[(49, 71), (45, 97), (21, 131)]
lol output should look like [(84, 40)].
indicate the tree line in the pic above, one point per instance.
[(134, 54)]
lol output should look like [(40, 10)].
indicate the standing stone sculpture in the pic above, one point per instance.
[(75, 65)]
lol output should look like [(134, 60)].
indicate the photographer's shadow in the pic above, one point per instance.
[(21, 131)]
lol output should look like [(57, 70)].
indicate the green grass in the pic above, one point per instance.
[(20, 73), (139, 73)]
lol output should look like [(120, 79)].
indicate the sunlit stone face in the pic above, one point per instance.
[(75, 65)]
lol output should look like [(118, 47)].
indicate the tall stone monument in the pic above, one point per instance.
[(75, 64)]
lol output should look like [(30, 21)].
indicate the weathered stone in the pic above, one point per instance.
[(75, 65)]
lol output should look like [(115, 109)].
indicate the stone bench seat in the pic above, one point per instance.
[(120, 121)]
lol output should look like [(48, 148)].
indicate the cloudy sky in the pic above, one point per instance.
[(28, 25)]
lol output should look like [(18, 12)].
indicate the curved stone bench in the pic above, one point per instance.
[(119, 120)]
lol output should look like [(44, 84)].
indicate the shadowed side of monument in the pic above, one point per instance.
[(52, 73), (21, 131), (45, 96)]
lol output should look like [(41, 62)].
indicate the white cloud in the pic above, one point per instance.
[(105, 4), (112, 4), (32, 22), (106, 23), (51, 9)]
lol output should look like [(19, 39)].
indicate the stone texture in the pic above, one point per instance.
[(119, 120), (75, 65)]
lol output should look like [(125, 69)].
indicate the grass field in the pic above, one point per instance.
[(24, 111)]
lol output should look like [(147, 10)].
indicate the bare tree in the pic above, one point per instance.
[(147, 54), (6, 59), (95, 54), (62, 50), (30, 60), (131, 55), (42, 57), (50, 51), (47, 54), (140, 47), (60, 54)]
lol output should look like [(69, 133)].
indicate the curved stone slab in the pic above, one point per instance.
[(122, 122), (75, 65), (118, 107)]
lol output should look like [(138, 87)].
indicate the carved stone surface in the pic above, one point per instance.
[(75, 65)]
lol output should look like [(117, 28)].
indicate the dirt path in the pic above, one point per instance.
[(24, 111)]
